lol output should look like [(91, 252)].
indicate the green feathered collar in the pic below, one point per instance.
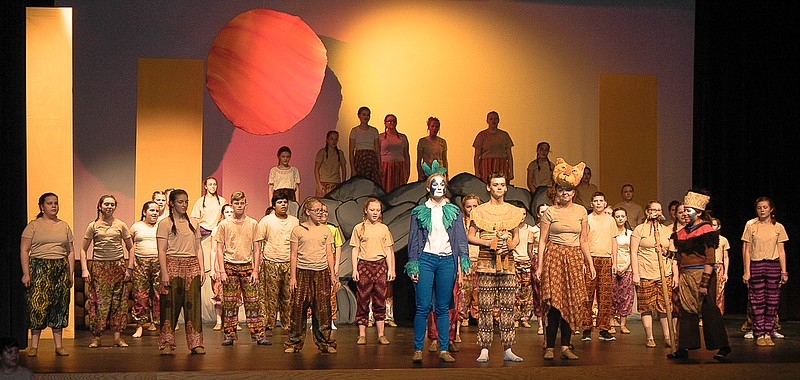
[(423, 214)]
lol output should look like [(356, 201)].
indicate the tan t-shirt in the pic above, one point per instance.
[(107, 239), (719, 254), (329, 166), (525, 237), (492, 145), (311, 246), (624, 251), (431, 150), (208, 215), (275, 234), (372, 241), (144, 240), (237, 236), (287, 178), (764, 239), (48, 240), (542, 173), (635, 212), (182, 244), (602, 230), (565, 224), (583, 194), (647, 255)]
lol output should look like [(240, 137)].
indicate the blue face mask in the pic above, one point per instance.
[(691, 214)]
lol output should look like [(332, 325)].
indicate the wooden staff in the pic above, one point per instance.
[(664, 288)]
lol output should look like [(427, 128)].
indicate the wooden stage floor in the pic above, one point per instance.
[(627, 356)]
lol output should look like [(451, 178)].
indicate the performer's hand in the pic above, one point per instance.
[(254, 278), (746, 277), (165, 279), (355, 274), (390, 276), (203, 277), (636, 279), (293, 283), (723, 278), (675, 282), (414, 277), (127, 275), (334, 282), (784, 278), (86, 276), (222, 277), (592, 272), (538, 273)]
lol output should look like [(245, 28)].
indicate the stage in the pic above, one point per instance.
[(625, 357)]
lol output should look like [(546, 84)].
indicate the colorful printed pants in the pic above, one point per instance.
[(622, 290), (182, 293), (764, 290), (239, 284), (600, 286), (720, 269), (107, 301), (496, 289), (714, 333), (523, 307), (313, 292), (48, 294), (366, 165), (276, 294), (371, 286), (468, 295), (146, 279)]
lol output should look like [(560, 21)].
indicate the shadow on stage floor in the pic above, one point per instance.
[(625, 357)]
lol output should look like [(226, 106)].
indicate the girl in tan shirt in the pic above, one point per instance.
[(373, 263)]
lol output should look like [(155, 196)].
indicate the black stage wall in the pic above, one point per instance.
[(12, 145), (745, 125)]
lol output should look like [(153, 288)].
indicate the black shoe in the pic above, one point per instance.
[(722, 353), (680, 353), (264, 342), (227, 342), (587, 335), (606, 336)]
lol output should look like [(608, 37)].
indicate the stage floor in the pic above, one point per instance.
[(625, 356)]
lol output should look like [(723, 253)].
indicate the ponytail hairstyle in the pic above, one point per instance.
[(366, 207), (336, 148), (549, 164), (172, 196), (100, 203), (146, 206), (41, 203), (205, 191), (771, 206), (627, 225)]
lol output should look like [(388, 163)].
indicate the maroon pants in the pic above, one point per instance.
[(371, 286)]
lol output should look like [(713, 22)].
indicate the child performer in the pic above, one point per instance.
[(180, 257), (523, 307), (469, 283), (284, 177), (437, 242), (144, 270), (603, 249), (622, 289), (311, 279), (373, 267), (330, 167), (239, 261), (494, 227)]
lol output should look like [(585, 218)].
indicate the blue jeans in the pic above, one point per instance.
[(437, 276)]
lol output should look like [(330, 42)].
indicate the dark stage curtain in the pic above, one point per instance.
[(746, 113), (12, 145)]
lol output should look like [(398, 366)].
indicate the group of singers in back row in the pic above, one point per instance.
[(477, 260)]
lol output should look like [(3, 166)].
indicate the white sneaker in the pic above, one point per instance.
[(749, 335), (333, 327), (777, 335)]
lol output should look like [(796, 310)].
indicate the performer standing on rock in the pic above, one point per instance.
[(437, 247)]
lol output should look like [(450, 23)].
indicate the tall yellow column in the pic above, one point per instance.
[(48, 59), (169, 127)]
